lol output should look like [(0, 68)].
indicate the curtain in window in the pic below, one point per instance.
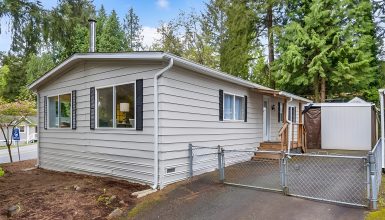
[(238, 108), (228, 107), (53, 112)]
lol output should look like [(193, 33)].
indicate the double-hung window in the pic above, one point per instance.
[(59, 111), (116, 106), (233, 107), (292, 114)]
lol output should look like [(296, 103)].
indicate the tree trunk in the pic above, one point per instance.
[(9, 152), (316, 88), (270, 37), (323, 89)]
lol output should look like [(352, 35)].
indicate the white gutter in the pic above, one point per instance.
[(156, 122), (290, 126), (381, 93)]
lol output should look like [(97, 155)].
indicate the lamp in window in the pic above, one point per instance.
[(125, 107)]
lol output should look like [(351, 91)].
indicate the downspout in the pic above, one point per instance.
[(290, 126), (38, 130), (382, 126), (156, 122)]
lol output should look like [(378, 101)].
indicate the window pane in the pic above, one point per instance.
[(239, 112), (21, 129), (228, 107), (65, 111), (105, 107), (53, 115), (125, 106)]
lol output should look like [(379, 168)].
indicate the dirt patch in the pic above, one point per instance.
[(44, 194)]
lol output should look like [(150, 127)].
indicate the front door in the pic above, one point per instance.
[(266, 119)]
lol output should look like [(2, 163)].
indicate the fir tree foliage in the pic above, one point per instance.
[(133, 31)]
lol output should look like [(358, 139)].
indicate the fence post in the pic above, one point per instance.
[(373, 182), (191, 160), (285, 189), (221, 167)]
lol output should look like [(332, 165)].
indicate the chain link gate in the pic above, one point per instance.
[(349, 180), (331, 178)]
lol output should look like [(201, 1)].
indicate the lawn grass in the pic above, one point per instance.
[(380, 213)]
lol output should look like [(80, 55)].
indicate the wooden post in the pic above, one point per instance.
[(299, 129)]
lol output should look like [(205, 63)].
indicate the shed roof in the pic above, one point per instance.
[(154, 56)]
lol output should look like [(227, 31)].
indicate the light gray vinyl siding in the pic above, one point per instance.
[(189, 113), (123, 153)]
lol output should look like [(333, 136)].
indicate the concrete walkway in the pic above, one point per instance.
[(26, 153), (215, 201)]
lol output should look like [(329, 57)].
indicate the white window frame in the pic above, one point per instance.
[(20, 129), (223, 107), (58, 99), (113, 106), (290, 113)]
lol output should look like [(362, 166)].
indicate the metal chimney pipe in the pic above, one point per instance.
[(92, 35)]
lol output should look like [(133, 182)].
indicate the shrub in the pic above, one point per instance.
[(1, 172)]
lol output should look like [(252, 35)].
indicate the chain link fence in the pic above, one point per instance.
[(349, 180), (262, 173), (341, 179), (375, 172)]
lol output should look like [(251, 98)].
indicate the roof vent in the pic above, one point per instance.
[(92, 35)]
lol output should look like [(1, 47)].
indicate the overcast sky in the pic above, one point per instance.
[(150, 13)]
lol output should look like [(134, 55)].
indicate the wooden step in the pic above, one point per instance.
[(266, 156), (270, 146)]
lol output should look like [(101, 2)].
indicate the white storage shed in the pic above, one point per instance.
[(345, 126)]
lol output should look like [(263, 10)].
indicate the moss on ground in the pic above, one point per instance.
[(380, 213)]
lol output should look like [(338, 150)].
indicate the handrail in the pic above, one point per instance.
[(284, 127)]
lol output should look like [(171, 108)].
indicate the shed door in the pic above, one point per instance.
[(313, 128)]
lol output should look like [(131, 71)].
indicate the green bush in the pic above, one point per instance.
[(1, 172)]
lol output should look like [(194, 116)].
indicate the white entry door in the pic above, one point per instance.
[(266, 119)]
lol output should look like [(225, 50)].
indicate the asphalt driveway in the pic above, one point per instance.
[(205, 200)]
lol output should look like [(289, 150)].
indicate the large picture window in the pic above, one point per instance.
[(116, 106), (59, 111), (233, 107)]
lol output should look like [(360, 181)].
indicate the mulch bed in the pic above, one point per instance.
[(44, 194)]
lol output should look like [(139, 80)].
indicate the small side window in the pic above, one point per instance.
[(233, 107)]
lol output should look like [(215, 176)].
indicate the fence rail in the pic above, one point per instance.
[(343, 179)]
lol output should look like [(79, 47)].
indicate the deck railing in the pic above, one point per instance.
[(301, 136)]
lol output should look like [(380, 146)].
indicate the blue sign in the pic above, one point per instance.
[(16, 134)]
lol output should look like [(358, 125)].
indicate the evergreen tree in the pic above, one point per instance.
[(237, 48), (101, 19), (133, 31), (328, 48), (214, 27), (62, 22), (112, 36)]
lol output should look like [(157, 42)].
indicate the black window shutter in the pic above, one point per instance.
[(139, 104), (74, 109), (220, 105), (279, 112), (245, 108), (295, 114), (92, 108), (45, 112)]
